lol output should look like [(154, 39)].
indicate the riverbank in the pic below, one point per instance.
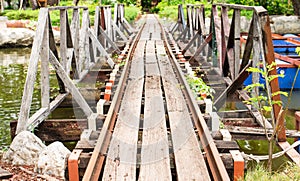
[(20, 33)]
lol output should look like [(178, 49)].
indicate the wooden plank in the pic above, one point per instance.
[(186, 147), (292, 153), (237, 49), (45, 84), (231, 88), (115, 27), (109, 40), (75, 28), (68, 83), (259, 131), (85, 57), (63, 38), (31, 76), (121, 157), (42, 113), (101, 48), (155, 161)]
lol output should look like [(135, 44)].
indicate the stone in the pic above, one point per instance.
[(21, 37), (24, 149), (53, 160), (285, 24), (14, 37)]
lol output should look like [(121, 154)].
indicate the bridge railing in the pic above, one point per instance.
[(80, 47), (224, 51)]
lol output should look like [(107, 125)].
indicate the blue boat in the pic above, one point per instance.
[(287, 61)]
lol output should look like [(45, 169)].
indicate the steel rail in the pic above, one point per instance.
[(98, 156), (215, 162)]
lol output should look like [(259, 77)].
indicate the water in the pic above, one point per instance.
[(13, 70)]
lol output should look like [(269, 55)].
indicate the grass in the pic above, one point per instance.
[(131, 12), (290, 172)]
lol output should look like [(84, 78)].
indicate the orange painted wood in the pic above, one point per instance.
[(73, 162), (238, 164)]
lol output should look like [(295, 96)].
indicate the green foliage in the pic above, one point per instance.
[(21, 15), (298, 50), (167, 8), (199, 87), (258, 100), (128, 2), (131, 13), (290, 172)]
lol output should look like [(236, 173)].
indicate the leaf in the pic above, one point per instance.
[(250, 87), (254, 70), (267, 108), (298, 50), (272, 77), (280, 93), (271, 66), (276, 103)]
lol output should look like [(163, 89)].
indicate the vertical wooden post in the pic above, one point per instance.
[(238, 165), (256, 54), (63, 38), (75, 26), (31, 76), (224, 38), (73, 162), (45, 85), (297, 122), (237, 45), (270, 58)]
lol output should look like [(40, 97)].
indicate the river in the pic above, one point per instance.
[(13, 70)]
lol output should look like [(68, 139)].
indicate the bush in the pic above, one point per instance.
[(131, 12)]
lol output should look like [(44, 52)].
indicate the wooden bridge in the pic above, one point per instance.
[(145, 122)]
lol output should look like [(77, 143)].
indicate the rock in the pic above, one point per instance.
[(24, 149), (20, 37), (16, 37), (285, 24), (52, 160)]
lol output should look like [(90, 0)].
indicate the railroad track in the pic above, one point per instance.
[(149, 131)]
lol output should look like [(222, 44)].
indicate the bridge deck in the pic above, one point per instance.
[(153, 81)]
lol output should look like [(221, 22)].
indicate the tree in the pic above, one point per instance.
[(296, 5), (264, 104)]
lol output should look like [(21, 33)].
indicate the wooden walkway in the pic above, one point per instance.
[(152, 78)]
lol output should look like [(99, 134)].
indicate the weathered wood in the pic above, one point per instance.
[(66, 7), (259, 131), (109, 41), (155, 162), (45, 85), (237, 49), (31, 76), (85, 58), (232, 88), (115, 27), (72, 88), (292, 153), (225, 146), (197, 55), (121, 157), (63, 39), (185, 145), (101, 48), (59, 129), (42, 113)]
